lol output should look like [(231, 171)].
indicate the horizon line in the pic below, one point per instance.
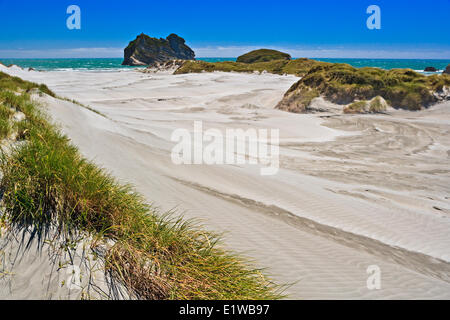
[(292, 58), (235, 51)]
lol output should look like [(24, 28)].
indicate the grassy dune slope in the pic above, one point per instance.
[(343, 84), (339, 83), (46, 182), (298, 67)]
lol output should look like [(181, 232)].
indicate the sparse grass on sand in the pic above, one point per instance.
[(46, 182), (82, 105)]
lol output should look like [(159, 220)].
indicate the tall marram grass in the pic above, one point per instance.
[(46, 182)]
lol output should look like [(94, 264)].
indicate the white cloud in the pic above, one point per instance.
[(234, 51)]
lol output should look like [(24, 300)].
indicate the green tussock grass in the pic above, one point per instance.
[(5, 122), (376, 105), (5, 128), (300, 99), (46, 182), (356, 107), (343, 84)]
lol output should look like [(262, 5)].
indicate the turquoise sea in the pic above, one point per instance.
[(115, 63)]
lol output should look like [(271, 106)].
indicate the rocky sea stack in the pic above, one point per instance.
[(430, 69), (145, 50), (447, 70), (263, 55)]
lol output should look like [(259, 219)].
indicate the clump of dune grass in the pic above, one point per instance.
[(5, 122), (5, 111), (356, 107), (47, 183), (15, 83), (301, 99), (344, 84), (5, 128), (377, 105)]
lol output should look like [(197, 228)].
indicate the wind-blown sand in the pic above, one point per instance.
[(352, 190)]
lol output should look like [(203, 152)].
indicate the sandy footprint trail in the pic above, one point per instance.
[(352, 191)]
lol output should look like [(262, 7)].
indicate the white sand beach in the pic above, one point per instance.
[(352, 190)]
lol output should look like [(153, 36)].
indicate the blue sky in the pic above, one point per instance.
[(409, 29)]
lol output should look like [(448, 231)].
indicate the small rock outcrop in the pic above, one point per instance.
[(164, 67), (430, 69), (145, 50), (447, 70), (443, 94), (263, 55)]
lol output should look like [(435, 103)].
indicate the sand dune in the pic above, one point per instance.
[(34, 267), (352, 190)]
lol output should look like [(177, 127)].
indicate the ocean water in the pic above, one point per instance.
[(66, 64), (415, 64), (115, 63)]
